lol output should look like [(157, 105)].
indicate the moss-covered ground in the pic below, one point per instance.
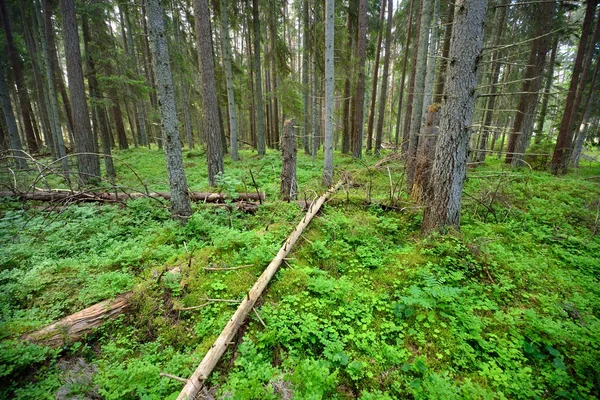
[(509, 307)]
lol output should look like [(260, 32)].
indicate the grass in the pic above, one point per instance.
[(509, 307)]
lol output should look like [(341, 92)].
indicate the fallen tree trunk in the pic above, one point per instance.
[(66, 195), (75, 326), (195, 382)]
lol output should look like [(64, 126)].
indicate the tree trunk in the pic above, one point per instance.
[(562, 150), (450, 163), (439, 91), (305, 56), (539, 126), (87, 160), (375, 78), (421, 191), (260, 110), (11, 124), (384, 80), (233, 133), (180, 202), (493, 82), (329, 87), (419, 90), (431, 61), (403, 78), (289, 186), (523, 126), (17, 69), (359, 107)]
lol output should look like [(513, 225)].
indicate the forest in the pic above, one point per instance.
[(300, 199)]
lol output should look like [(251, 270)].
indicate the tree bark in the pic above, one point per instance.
[(449, 166), (439, 91), (87, 160), (562, 150), (357, 139), (14, 141), (180, 202), (539, 126), (329, 87), (403, 78), (370, 124), (233, 132), (422, 191), (210, 106), (259, 106), (17, 69), (384, 80), (305, 57), (289, 185)]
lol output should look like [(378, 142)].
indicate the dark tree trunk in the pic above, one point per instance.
[(260, 110), (17, 69), (561, 156), (439, 91), (305, 56), (180, 202), (289, 186), (360, 82), (384, 80), (87, 160), (539, 128), (450, 163), (210, 106), (14, 141), (370, 123), (421, 190)]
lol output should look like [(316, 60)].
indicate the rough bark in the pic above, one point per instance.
[(439, 91), (384, 78), (370, 123), (233, 131), (180, 202), (329, 87), (449, 166), (562, 150), (87, 160), (259, 106), (431, 62), (419, 89), (359, 100), (403, 78), (17, 70), (210, 106), (421, 191), (289, 186), (14, 141)]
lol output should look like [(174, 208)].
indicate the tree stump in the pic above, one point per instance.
[(289, 187)]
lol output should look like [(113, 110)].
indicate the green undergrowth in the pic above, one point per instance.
[(363, 308)]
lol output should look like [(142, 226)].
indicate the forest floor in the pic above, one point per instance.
[(509, 307)]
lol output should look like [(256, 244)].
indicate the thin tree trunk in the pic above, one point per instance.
[(180, 202), (562, 150), (260, 110), (539, 128), (11, 124), (441, 80), (305, 56), (87, 159), (384, 80), (17, 69), (210, 106), (289, 186), (329, 87), (450, 163), (403, 78), (359, 107), (371, 121), (233, 132)]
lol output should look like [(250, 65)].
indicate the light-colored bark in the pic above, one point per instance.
[(450, 163), (305, 56), (289, 185), (180, 202), (212, 357), (384, 78), (259, 106), (359, 100), (233, 131), (329, 86)]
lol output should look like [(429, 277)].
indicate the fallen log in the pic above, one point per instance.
[(196, 381), (76, 326), (66, 195)]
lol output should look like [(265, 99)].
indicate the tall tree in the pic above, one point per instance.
[(180, 202), (229, 77), (259, 106), (210, 105), (541, 119), (384, 79), (87, 159), (14, 141), (370, 123), (562, 150), (450, 163), (305, 72), (403, 78), (329, 86), (441, 79), (359, 100), (19, 80)]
